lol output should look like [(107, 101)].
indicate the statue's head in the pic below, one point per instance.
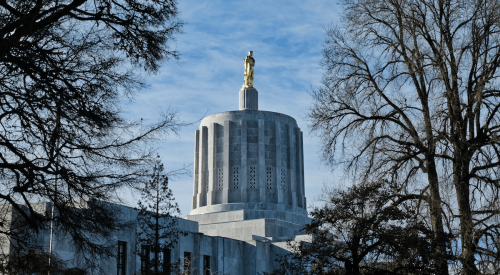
[(250, 53)]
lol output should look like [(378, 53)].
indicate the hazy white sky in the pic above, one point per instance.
[(286, 38)]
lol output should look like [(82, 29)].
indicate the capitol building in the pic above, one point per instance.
[(248, 195)]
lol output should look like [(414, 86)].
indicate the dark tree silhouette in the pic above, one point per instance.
[(37, 263), (411, 92), (362, 230), (157, 222), (65, 66)]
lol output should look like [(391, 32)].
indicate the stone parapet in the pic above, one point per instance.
[(248, 206), (248, 214), (246, 230)]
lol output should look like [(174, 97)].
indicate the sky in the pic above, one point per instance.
[(286, 38)]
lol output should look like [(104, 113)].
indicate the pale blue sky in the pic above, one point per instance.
[(286, 38)]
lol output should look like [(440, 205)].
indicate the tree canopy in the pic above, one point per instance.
[(65, 67), (157, 222), (362, 230), (410, 94)]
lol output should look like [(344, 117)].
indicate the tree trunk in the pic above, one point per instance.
[(461, 168), (439, 240)]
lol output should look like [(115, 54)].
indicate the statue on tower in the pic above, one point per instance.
[(249, 64)]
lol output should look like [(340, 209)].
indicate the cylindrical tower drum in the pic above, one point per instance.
[(248, 159)]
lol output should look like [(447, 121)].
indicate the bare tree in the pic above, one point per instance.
[(410, 92), (65, 66)]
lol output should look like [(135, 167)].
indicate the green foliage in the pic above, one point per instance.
[(157, 221), (363, 230)]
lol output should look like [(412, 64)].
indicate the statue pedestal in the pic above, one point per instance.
[(249, 99)]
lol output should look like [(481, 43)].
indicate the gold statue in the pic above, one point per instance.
[(249, 64)]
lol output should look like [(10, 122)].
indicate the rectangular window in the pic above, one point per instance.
[(236, 177), (166, 260), (221, 178), (283, 179), (121, 260), (269, 178), (187, 262), (145, 259), (252, 177), (207, 181), (206, 265)]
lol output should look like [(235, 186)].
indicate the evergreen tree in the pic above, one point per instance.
[(157, 221), (362, 230)]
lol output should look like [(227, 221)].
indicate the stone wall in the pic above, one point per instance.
[(248, 156)]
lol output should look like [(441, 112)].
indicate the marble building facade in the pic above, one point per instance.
[(248, 197)]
